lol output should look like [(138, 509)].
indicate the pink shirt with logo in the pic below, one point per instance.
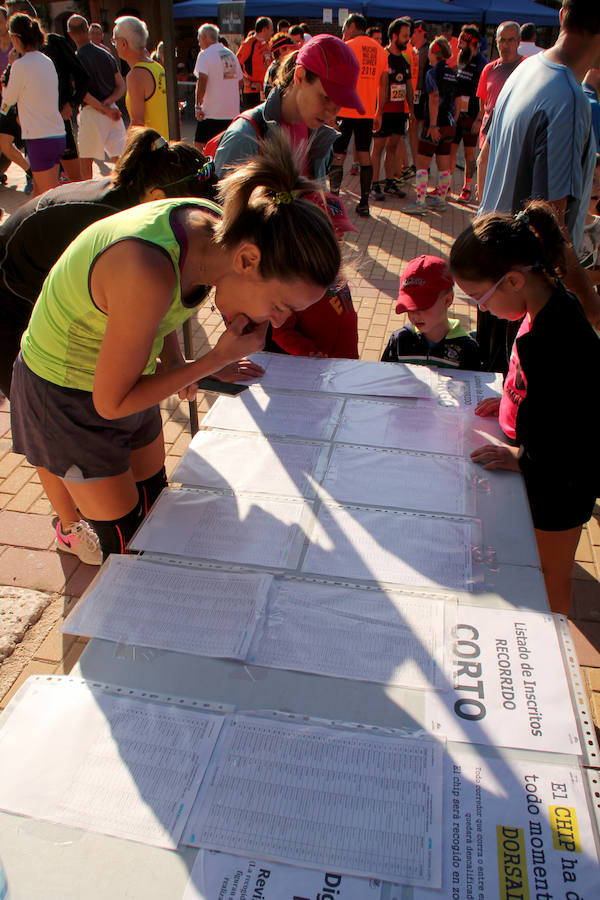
[(515, 387)]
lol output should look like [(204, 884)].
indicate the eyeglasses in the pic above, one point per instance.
[(481, 301)]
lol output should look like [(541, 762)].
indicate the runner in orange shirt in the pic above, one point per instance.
[(372, 89), (254, 56)]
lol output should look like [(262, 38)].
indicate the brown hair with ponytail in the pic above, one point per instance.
[(494, 244), (262, 204), (148, 161)]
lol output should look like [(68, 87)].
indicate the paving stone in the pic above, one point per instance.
[(26, 497), (42, 570), (19, 608), (55, 646), (19, 529), (80, 579), (586, 638)]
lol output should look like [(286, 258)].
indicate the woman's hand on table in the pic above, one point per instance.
[(488, 407), (497, 456), (243, 370)]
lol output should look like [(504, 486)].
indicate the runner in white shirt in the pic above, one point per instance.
[(218, 87)]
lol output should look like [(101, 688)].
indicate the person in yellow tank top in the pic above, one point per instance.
[(146, 97)]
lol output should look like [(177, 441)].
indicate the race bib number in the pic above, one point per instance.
[(464, 104), (397, 93)]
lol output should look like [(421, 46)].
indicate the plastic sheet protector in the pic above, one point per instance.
[(151, 604), (391, 546), (225, 460), (467, 389), (347, 376), (366, 635), (295, 415), (252, 530), (428, 428), (83, 757), (336, 800), (510, 687), (223, 875), (405, 479), (514, 828)]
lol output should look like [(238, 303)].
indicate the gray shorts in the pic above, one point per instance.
[(59, 429)]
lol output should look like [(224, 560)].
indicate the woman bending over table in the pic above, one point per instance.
[(85, 389)]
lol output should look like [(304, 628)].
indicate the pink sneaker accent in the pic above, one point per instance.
[(82, 541)]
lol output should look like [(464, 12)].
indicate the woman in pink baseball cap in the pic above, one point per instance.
[(311, 86)]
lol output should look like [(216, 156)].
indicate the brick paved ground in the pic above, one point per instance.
[(374, 258)]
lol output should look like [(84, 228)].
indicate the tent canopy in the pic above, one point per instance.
[(494, 11), (521, 11), (307, 9), (429, 10)]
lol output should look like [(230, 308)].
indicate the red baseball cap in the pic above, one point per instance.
[(422, 282), (335, 209), (336, 66)]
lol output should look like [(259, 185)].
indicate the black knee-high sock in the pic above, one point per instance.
[(115, 534), (150, 488), (366, 179)]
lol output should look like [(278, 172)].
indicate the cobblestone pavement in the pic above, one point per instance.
[(51, 582)]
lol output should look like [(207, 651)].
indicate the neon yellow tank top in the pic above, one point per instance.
[(66, 329), (155, 107)]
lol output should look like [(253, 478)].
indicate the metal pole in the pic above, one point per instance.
[(168, 36)]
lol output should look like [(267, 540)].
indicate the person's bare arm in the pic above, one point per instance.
[(576, 278), (138, 88), (200, 92), (118, 91), (382, 98), (135, 301)]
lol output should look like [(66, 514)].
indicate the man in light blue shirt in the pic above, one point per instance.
[(541, 145)]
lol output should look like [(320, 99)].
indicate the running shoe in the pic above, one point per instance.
[(436, 202), (391, 187), (416, 209), (465, 196), (28, 189), (405, 175), (377, 191), (81, 540), (353, 169), (362, 210)]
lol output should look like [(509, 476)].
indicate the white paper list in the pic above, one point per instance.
[(391, 546), (467, 389), (357, 804), (88, 759), (294, 373), (429, 428), (361, 377), (150, 604), (351, 633), (281, 414), (222, 875), (242, 529), (399, 478), (243, 462), (346, 376)]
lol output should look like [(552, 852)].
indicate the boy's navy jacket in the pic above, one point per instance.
[(457, 350)]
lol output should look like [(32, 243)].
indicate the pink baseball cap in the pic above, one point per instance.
[(336, 65), (422, 282), (335, 209)]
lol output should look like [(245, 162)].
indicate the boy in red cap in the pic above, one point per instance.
[(330, 326), (431, 339)]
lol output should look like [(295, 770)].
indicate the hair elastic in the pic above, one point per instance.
[(523, 219), (159, 143), (282, 198)]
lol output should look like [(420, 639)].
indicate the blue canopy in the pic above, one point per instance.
[(198, 9), (521, 11), (429, 10)]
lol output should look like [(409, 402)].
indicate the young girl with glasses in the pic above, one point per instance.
[(511, 267)]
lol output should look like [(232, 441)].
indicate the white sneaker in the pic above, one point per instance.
[(81, 540)]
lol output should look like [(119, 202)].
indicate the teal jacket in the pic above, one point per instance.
[(240, 141)]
